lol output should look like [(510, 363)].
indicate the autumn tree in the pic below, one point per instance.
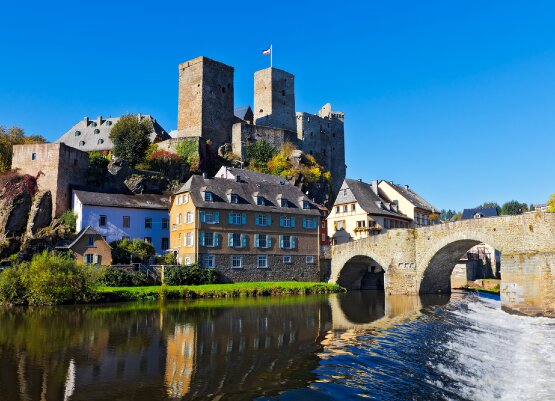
[(551, 204)]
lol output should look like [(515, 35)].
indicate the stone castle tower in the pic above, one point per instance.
[(206, 96), (274, 99)]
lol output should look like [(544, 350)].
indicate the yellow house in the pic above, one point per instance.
[(418, 209), (248, 227), (359, 211)]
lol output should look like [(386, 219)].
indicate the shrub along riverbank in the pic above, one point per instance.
[(53, 279), (111, 294)]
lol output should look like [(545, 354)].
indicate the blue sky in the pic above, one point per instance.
[(456, 99)]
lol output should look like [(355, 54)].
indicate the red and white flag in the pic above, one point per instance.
[(267, 51)]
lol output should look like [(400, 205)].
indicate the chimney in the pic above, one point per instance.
[(99, 120), (360, 180), (86, 121), (407, 187), (374, 184)]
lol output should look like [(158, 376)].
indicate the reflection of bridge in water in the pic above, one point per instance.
[(238, 349)]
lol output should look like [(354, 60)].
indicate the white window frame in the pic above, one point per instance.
[(287, 259), (189, 217), (262, 220), (260, 201), (209, 234), (309, 259), (87, 258), (186, 198), (187, 260), (237, 261), (236, 218), (238, 243), (287, 221), (209, 261), (265, 236), (289, 237), (260, 258), (234, 198), (208, 196), (189, 239)]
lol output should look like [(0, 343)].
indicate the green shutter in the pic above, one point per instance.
[(244, 218), (201, 238), (216, 217), (202, 216), (293, 221), (216, 238), (230, 240), (244, 240)]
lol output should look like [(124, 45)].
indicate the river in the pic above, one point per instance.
[(355, 346)]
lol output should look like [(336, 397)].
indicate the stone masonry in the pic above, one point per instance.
[(59, 167), (421, 260), (274, 99)]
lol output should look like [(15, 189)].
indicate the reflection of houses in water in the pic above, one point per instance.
[(180, 360)]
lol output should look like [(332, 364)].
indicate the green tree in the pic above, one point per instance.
[(8, 138), (551, 204), (513, 208), (131, 138), (98, 160), (258, 154), (127, 251)]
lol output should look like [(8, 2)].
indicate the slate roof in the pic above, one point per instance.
[(361, 192), (247, 190), (251, 176), (95, 135), (68, 244), (484, 212), (143, 201), (242, 112), (412, 197)]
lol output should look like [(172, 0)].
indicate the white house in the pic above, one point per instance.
[(117, 216)]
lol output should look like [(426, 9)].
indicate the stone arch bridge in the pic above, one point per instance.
[(420, 261)]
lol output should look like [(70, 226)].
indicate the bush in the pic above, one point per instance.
[(49, 279), (164, 162), (189, 275), (125, 250), (259, 154), (69, 219), (118, 277), (97, 160), (189, 153), (131, 138), (551, 204), (167, 259)]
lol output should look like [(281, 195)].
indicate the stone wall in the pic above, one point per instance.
[(298, 270), (206, 100), (274, 99), (422, 260), (59, 167), (244, 134)]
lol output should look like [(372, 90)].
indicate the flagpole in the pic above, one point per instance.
[(271, 56)]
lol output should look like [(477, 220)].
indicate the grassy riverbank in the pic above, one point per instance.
[(112, 294), (490, 286)]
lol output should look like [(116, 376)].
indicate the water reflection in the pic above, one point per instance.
[(232, 349)]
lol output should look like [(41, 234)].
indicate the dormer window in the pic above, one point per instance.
[(306, 204), (234, 198), (77, 133), (283, 202), (208, 197), (260, 200), (100, 141), (93, 124), (82, 143), (97, 131)]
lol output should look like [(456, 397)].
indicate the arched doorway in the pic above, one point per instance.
[(362, 273), (459, 262)]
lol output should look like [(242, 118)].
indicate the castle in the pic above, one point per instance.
[(206, 110)]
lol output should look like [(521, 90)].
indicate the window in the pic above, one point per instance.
[(179, 217), (284, 202), (234, 240), (82, 143), (165, 223), (287, 259), (179, 240), (100, 141), (208, 196), (165, 243), (89, 258), (310, 260), (148, 222), (339, 225), (179, 200), (210, 217), (34, 156), (77, 133), (262, 241), (324, 237), (306, 204), (126, 221), (353, 207), (96, 131), (234, 198), (237, 218), (208, 261), (189, 239), (102, 220), (309, 223), (91, 240), (186, 198), (237, 261), (286, 242), (361, 223), (187, 260), (344, 208), (262, 261), (287, 221), (208, 239), (148, 240), (260, 200), (189, 217), (262, 220), (337, 209)]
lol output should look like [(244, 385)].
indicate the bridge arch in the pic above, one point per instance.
[(437, 264), (362, 272)]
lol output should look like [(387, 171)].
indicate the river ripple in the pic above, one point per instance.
[(361, 345)]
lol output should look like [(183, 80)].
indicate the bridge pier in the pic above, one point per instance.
[(401, 279), (528, 284)]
